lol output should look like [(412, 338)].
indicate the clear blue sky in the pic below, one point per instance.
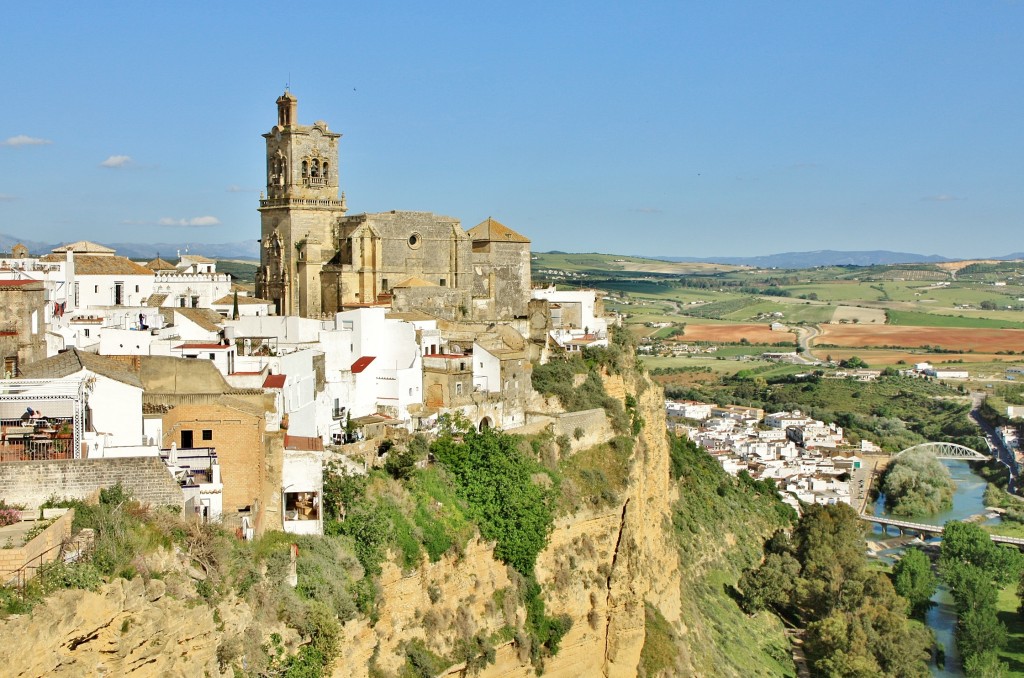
[(669, 128)]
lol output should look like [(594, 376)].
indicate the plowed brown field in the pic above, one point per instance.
[(733, 332), (953, 338)]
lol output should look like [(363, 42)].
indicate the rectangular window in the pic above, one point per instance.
[(118, 293), (76, 295), (186, 440), (136, 288), (207, 434), (458, 388), (95, 289), (443, 283), (301, 506)]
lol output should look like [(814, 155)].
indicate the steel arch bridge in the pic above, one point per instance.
[(948, 451)]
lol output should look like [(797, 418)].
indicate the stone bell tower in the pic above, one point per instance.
[(299, 211)]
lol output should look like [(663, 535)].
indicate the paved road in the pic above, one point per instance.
[(1004, 455), (804, 335)]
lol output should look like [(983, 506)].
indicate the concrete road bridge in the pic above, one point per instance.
[(904, 526)]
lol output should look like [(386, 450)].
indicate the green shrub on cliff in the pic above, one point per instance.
[(496, 480)]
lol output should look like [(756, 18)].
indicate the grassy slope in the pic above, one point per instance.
[(720, 524), (1014, 652)]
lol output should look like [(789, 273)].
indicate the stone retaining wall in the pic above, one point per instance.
[(30, 483), (41, 550)]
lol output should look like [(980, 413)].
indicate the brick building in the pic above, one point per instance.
[(234, 427)]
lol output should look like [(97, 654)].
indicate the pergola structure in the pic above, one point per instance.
[(37, 416)]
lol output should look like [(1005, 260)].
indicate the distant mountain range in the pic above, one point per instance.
[(250, 249), (828, 258), (245, 249)]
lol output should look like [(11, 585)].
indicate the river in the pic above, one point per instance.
[(967, 501)]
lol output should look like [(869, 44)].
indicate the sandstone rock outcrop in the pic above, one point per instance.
[(128, 628)]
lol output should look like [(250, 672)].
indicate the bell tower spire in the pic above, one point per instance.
[(287, 110), (300, 210)]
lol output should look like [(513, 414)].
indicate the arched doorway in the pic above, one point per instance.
[(485, 424)]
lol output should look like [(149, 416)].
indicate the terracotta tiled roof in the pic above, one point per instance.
[(73, 361), (229, 299), (206, 318), (196, 259), (361, 364), (99, 264), (275, 381), (83, 247), (159, 264), (156, 300), (495, 231), (303, 443)]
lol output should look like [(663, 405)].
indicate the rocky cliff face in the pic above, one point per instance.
[(601, 565), (127, 629)]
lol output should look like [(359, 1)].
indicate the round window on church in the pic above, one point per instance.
[(414, 240)]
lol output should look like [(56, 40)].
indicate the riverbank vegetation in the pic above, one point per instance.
[(856, 623), (975, 568), (912, 577), (917, 483)]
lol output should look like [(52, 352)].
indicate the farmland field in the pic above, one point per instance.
[(859, 315), (732, 333), (917, 318), (950, 338)]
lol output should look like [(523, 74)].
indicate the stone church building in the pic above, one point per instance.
[(316, 259)]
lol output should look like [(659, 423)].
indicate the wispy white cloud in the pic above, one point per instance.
[(24, 140), (941, 197), (235, 188), (198, 222), (117, 161), (7, 197)]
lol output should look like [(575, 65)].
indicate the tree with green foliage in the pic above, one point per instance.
[(967, 543), (974, 567), (912, 577), (771, 585), (986, 664), (402, 459), (917, 483), (856, 622)]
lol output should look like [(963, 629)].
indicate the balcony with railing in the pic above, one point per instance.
[(36, 439)]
